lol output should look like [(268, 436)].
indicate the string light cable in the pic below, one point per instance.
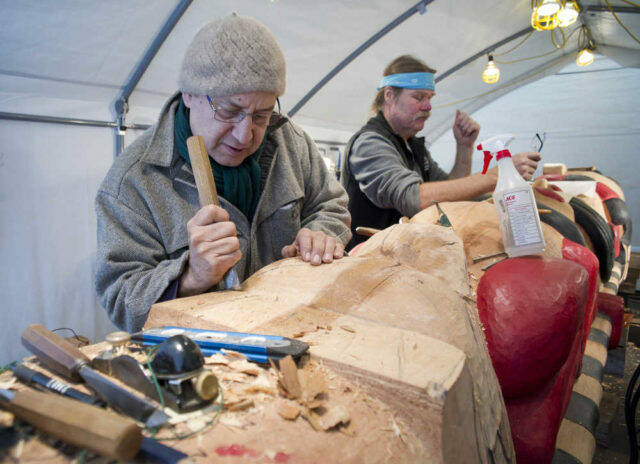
[(620, 22), (565, 39), (628, 2), (517, 81), (526, 37)]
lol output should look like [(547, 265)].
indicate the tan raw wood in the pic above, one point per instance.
[(554, 168), (476, 223), (415, 343), (82, 425)]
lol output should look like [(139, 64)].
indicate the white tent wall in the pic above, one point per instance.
[(49, 176), (590, 116)]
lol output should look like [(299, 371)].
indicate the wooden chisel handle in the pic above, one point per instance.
[(207, 193), (54, 351), (202, 172), (77, 423)]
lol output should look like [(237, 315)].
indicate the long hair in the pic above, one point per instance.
[(402, 64)]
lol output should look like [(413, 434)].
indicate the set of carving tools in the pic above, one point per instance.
[(172, 375)]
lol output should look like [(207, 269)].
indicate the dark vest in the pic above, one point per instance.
[(363, 211)]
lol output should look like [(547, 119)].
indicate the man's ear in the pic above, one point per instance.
[(187, 98), (389, 95)]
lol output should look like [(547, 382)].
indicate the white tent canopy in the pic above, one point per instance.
[(72, 59)]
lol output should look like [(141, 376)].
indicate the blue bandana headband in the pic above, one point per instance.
[(417, 80)]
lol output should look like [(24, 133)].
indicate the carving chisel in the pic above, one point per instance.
[(76, 423), (207, 193), (65, 359), (29, 376)]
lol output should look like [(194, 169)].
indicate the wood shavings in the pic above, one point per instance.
[(288, 378), (217, 359), (233, 377), (231, 421), (312, 418), (334, 416), (348, 329), (246, 367), (240, 405), (196, 424), (10, 384), (289, 411), (312, 384), (259, 389), (232, 354), (6, 419), (298, 334)]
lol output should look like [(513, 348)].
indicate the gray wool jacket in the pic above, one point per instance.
[(149, 194)]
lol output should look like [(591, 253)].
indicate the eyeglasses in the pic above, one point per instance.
[(537, 142), (259, 118)]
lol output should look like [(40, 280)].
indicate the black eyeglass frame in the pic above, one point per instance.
[(243, 114)]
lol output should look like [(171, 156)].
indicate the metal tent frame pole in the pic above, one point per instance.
[(121, 103), (68, 121), (419, 7)]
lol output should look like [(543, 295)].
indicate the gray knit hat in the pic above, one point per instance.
[(232, 55)]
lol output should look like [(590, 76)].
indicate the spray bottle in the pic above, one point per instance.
[(513, 196)]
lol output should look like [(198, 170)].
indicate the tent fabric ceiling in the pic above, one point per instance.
[(71, 58)]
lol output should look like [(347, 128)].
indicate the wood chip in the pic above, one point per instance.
[(6, 419), (288, 378), (239, 405), (298, 334), (232, 354), (217, 359), (312, 418), (312, 384), (348, 329), (233, 377), (315, 404), (246, 367), (334, 416), (289, 411)]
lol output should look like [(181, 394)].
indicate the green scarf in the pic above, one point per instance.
[(239, 185)]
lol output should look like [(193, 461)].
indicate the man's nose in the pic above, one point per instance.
[(242, 130), (426, 105)]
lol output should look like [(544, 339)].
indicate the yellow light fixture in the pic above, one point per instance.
[(544, 16), (585, 57), (568, 14), (491, 73)]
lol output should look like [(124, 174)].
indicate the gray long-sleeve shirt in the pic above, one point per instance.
[(384, 176)]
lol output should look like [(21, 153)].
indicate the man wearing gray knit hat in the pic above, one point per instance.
[(277, 198)]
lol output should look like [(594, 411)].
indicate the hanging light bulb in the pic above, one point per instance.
[(568, 14), (544, 16), (585, 57), (548, 7), (491, 73)]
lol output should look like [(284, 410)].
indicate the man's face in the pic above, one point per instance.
[(408, 112), (226, 142)]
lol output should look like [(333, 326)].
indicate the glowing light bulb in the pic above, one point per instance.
[(585, 57), (568, 14), (544, 16), (548, 8), (491, 73)]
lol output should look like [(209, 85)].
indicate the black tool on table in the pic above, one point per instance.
[(33, 377), (67, 360)]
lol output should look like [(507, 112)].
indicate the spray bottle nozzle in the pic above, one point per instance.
[(497, 145), (487, 158)]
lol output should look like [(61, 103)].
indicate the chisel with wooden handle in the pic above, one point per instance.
[(207, 193), (76, 423), (65, 359)]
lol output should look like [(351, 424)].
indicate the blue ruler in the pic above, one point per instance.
[(256, 347)]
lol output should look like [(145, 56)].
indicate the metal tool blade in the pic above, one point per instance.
[(231, 280), (123, 400)]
